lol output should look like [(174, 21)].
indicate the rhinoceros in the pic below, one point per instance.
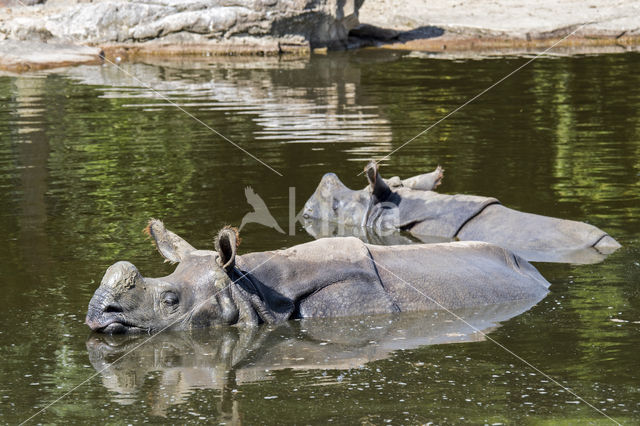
[(329, 277), (412, 205)]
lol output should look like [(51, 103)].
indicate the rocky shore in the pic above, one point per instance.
[(37, 34), (126, 29)]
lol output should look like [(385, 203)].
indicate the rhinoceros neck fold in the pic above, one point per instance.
[(431, 213), (381, 190), (288, 279), (253, 298)]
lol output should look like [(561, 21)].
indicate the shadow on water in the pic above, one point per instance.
[(325, 229), (223, 358)]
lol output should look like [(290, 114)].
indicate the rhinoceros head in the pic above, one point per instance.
[(196, 294), (334, 202)]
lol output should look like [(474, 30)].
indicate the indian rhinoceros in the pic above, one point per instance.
[(329, 277), (412, 205)]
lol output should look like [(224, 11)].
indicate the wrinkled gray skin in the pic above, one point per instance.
[(330, 277), (391, 205)]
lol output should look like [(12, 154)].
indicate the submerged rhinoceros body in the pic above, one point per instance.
[(390, 204), (324, 278)]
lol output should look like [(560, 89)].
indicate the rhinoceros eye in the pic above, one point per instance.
[(169, 298), (336, 204)]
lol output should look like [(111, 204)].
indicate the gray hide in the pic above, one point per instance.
[(390, 205), (330, 277)]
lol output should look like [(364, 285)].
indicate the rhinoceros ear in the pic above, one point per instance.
[(371, 170), (171, 247), (379, 187), (226, 243)]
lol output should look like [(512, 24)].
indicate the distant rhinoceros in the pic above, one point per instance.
[(325, 278), (412, 205)]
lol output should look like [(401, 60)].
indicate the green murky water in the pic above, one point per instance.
[(87, 155)]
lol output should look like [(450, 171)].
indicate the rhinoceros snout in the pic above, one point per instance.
[(105, 313), (100, 308)]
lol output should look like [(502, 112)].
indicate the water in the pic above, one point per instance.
[(87, 155)]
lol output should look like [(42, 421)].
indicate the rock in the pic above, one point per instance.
[(198, 26), (12, 3), (19, 56)]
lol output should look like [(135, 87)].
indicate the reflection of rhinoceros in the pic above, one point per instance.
[(412, 205), (330, 277), (172, 365)]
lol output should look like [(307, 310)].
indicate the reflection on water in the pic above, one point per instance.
[(324, 229), (328, 112), (87, 155), (227, 357)]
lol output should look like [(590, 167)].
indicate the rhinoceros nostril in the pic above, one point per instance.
[(113, 308)]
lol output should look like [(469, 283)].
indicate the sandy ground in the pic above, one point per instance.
[(513, 18), (509, 25)]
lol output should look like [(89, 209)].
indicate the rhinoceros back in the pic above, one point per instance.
[(455, 275), (431, 213), (533, 236), (343, 276)]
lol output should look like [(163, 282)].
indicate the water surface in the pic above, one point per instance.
[(88, 154)]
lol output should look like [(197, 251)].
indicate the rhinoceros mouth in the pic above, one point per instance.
[(115, 327)]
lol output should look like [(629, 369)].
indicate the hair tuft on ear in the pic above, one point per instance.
[(231, 229), (147, 229), (226, 243)]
